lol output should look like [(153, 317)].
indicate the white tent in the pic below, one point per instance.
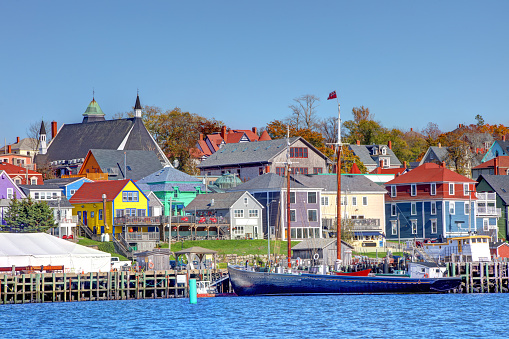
[(36, 249)]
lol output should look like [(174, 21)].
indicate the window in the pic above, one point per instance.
[(317, 170), (451, 207), (246, 201), (260, 170), (394, 227), (467, 208), (55, 195), (386, 162), (17, 181), (364, 201), (414, 226), (238, 230), (393, 210), (292, 197), (253, 213), (130, 196), (413, 208), (485, 224), (280, 171), (33, 181), (465, 189), (433, 189), (413, 190), (299, 170), (325, 201), (120, 213), (10, 193), (130, 212), (393, 191), (344, 201), (312, 215), (311, 197), (298, 152), (141, 213), (354, 201), (384, 151), (43, 195), (451, 189), (36, 195), (92, 214), (100, 214), (434, 226), (433, 207), (293, 216), (238, 213), (71, 192)]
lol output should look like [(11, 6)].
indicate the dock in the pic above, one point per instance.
[(94, 286)]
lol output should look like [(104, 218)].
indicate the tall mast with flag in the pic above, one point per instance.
[(338, 145)]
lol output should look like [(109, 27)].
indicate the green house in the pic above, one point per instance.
[(498, 184), (175, 189)]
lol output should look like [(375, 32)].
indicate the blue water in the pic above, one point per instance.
[(348, 316)]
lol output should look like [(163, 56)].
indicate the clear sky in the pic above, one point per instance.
[(243, 62)]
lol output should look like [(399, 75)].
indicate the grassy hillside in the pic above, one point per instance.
[(102, 246)]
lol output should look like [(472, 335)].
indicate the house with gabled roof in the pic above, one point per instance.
[(498, 148), (67, 150), (211, 143), (496, 166), (175, 189), (305, 213), (498, 186), (8, 191), (21, 175), (69, 186), (373, 156), (432, 201), (362, 207), (436, 155), (251, 159), (107, 164), (240, 210), (25, 146)]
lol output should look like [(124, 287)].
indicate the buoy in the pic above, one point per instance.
[(193, 298)]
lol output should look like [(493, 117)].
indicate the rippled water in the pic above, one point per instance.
[(352, 316)]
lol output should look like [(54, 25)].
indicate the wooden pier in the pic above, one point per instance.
[(123, 285), (479, 277)]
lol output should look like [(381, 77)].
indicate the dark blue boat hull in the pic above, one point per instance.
[(261, 283)]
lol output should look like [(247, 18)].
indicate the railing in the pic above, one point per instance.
[(68, 220), (191, 219), (122, 247), (488, 210), (357, 224), (134, 220), (141, 236), (486, 196), (91, 176)]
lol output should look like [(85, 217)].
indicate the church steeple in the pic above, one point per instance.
[(93, 113), (137, 107), (42, 139)]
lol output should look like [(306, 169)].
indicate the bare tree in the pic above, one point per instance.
[(304, 112), (329, 129), (33, 134), (431, 131)]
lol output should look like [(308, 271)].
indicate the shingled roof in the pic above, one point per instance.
[(221, 201), (499, 183), (349, 183), (93, 191), (164, 180), (270, 181), (429, 172)]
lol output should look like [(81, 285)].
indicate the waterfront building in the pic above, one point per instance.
[(432, 201), (497, 187)]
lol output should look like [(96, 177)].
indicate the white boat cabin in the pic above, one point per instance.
[(426, 270), (469, 248)]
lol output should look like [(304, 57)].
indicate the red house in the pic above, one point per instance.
[(20, 175)]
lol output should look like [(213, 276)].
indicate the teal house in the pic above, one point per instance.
[(175, 189)]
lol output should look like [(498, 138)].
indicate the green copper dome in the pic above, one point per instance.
[(93, 109), (227, 181)]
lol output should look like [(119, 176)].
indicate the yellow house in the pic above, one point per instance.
[(114, 207)]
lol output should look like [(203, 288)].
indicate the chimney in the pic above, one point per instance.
[(439, 145), (54, 129), (495, 166), (9, 149), (223, 133), (404, 164), (358, 142), (255, 130), (503, 137), (267, 168), (17, 140), (381, 163), (411, 129), (201, 136), (443, 164), (389, 144)]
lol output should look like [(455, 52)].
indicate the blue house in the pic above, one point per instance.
[(432, 201), (69, 186), (498, 148)]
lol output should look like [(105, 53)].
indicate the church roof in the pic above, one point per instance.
[(93, 109), (43, 129)]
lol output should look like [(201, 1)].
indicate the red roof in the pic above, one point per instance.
[(503, 161), (265, 136), (395, 171), (355, 169), (13, 169), (429, 172), (93, 191)]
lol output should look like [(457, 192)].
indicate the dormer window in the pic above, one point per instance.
[(384, 151), (375, 150)]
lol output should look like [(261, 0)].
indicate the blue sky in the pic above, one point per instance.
[(243, 62)]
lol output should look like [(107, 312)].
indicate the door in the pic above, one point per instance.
[(85, 218)]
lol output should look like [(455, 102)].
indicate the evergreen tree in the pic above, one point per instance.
[(27, 216)]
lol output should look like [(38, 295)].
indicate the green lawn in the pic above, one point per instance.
[(239, 247), (103, 246)]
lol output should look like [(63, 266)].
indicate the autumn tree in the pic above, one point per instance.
[(27, 216), (364, 128)]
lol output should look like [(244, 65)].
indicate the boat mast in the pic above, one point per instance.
[(288, 233), (338, 174)]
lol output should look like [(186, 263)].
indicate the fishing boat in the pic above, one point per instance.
[(247, 281)]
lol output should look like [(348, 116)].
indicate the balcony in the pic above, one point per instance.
[(141, 236), (91, 176), (354, 224), (134, 220), (486, 196), (490, 211), (191, 219)]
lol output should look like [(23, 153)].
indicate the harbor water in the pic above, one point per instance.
[(320, 316)]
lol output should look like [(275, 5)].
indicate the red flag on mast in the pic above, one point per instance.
[(332, 95)]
